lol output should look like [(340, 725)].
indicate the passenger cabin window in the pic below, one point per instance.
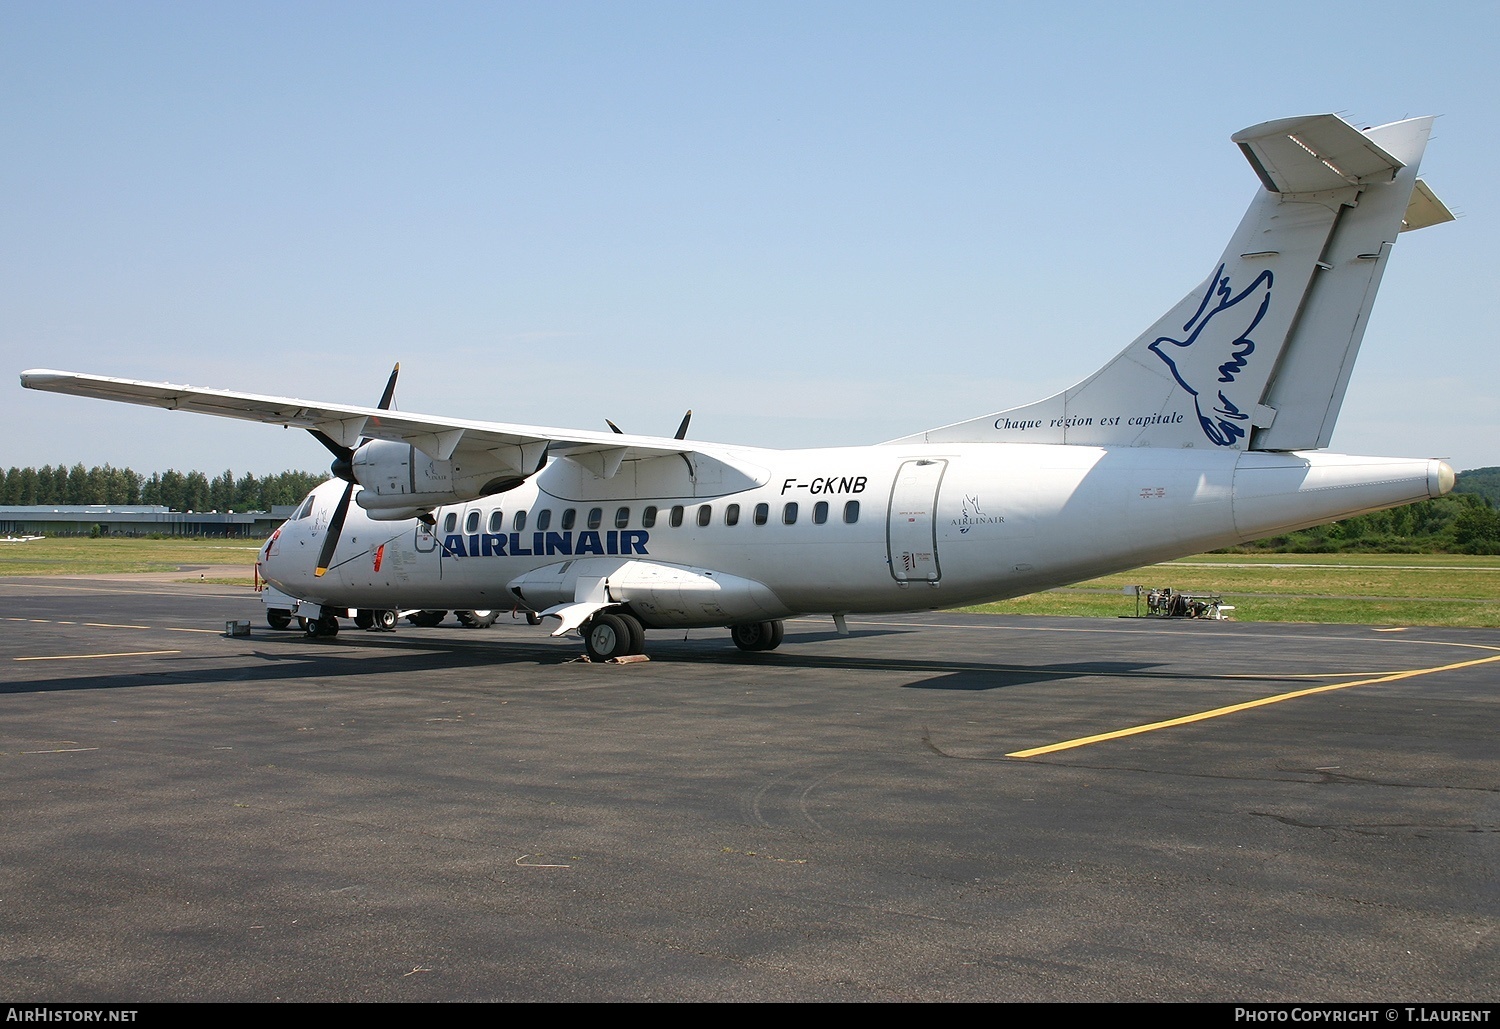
[(732, 514), (519, 521), (450, 523), (820, 512), (544, 519), (851, 512), (596, 517), (622, 518), (762, 513), (676, 518), (705, 514), (648, 518), (497, 520), (569, 517), (471, 522), (789, 514)]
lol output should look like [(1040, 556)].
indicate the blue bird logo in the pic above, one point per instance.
[(1214, 333)]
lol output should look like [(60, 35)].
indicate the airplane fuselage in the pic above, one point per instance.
[(862, 529)]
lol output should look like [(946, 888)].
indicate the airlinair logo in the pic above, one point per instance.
[(1218, 345), (972, 515)]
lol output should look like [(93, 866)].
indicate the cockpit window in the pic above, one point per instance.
[(303, 511)]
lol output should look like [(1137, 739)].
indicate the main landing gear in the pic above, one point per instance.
[(327, 625), (613, 634), (758, 635), (384, 620)]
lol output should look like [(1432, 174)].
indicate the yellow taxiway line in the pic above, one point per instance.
[(86, 657), (1219, 712)]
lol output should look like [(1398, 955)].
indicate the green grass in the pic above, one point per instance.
[(1401, 589), (82, 556)]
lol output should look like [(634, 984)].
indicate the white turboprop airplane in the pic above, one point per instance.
[(1204, 432)]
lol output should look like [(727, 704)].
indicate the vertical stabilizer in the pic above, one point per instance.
[(1259, 355)]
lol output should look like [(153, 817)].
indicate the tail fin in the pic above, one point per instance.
[(1259, 356)]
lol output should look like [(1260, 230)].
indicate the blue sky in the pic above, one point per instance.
[(814, 224)]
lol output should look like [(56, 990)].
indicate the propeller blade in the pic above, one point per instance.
[(335, 529), (335, 448), (682, 429), (390, 389)]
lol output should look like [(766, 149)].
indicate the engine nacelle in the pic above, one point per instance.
[(401, 481)]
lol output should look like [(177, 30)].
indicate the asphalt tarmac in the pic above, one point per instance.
[(453, 814)]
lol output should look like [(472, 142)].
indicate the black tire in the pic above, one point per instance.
[(427, 619), (636, 630), (477, 619), (532, 618), (313, 627), (385, 620), (328, 625), (277, 618), (606, 636), (776, 633), (750, 637), (364, 619)]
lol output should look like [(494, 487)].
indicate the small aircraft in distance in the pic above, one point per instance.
[(21, 539), (1204, 432)]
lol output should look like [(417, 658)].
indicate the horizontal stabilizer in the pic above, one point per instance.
[(1425, 209), (1313, 153)]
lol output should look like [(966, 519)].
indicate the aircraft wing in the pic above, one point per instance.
[(521, 446)]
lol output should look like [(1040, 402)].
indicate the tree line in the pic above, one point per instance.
[(177, 491), (1460, 523)]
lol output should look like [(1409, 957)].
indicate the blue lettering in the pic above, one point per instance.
[(499, 544)]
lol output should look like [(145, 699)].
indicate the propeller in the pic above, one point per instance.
[(681, 429), (343, 467)]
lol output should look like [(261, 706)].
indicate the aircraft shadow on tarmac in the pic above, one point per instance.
[(279, 656)]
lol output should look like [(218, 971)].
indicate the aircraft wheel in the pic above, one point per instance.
[(532, 618), (636, 630), (427, 619), (278, 619), (385, 620), (477, 619), (328, 625), (757, 635), (364, 619), (606, 636), (776, 632), (747, 637)]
